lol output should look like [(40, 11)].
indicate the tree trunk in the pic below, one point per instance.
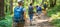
[(2, 9), (11, 6), (51, 3), (54, 2), (45, 0), (32, 1), (42, 2)]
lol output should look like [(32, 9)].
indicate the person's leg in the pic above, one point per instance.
[(21, 24), (39, 13), (14, 22), (31, 17)]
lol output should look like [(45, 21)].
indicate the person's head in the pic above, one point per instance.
[(20, 3), (30, 4), (37, 6)]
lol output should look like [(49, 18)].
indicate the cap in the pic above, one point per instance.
[(20, 1)]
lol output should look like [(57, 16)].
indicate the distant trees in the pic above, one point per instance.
[(8, 6), (52, 3), (32, 1), (55, 2), (43, 1)]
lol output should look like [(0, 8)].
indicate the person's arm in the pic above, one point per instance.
[(33, 7), (24, 13)]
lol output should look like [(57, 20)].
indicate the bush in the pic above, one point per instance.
[(56, 22), (7, 22), (55, 14), (53, 10)]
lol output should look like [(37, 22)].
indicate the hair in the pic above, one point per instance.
[(30, 4), (20, 3), (37, 6)]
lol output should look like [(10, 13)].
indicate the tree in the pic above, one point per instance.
[(55, 2), (6, 5), (32, 1), (52, 3), (2, 9), (42, 2), (11, 6)]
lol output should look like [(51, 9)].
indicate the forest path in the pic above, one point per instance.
[(43, 21)]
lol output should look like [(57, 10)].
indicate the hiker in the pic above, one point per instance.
[(19, 15), (39, 10), (30, 11), (45, 5)]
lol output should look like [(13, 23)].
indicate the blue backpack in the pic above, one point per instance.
[(18, 12), (30, 11), (39, 9)]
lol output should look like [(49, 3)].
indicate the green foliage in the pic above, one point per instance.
[(7, 22), (56, 22), (53, 10)]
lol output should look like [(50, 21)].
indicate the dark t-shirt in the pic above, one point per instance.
[(30, 10)]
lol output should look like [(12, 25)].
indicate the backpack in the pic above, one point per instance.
[(30, 11), (39, 9), (18, 12), (45, 6)]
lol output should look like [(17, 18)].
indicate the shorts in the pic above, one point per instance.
[(31, 16), (39, 12), (18, 22)]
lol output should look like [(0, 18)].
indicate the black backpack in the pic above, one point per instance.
[(30, 10)]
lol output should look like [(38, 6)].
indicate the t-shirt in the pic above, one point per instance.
[(30, 10)]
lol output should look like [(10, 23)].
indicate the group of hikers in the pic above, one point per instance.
[(20, 13)]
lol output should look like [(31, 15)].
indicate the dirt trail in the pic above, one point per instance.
[(42, 22)]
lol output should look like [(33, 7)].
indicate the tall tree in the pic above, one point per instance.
[(6, 5), (55, 2), (32, 1), (52, 3), (43, 1), (11, 6), (2, 9)]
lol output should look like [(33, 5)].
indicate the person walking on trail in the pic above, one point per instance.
[(19, 15), (30, 12), (45, 6), (39, 10)]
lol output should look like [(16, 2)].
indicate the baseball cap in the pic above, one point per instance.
[(20, 1)]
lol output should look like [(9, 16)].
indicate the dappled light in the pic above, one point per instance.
[(30, 13)]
